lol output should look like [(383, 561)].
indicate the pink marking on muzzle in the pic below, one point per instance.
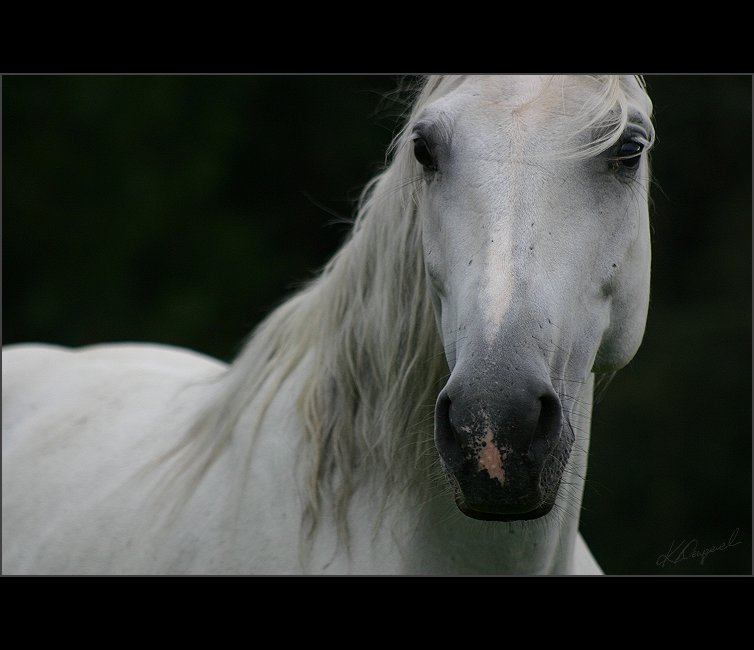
[(490, 458)]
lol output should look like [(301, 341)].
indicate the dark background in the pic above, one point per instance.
[(181, 209)]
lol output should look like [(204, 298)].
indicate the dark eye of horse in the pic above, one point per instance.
[(423, 154), (629, 154)]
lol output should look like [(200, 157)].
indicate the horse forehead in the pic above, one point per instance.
[(515, 94), (536, 99), (504, 114), (508, 88), (524, 88)]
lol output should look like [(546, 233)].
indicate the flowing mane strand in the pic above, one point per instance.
[(363, 333)]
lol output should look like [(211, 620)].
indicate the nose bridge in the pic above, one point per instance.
[(510, 286), (513, 274), (519, 324)]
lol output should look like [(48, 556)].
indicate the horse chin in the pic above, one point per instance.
[(520, 509), (483, 515)]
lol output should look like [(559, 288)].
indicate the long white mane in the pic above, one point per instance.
[(364, 334)]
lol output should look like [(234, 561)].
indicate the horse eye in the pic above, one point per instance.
[(629, 154), (423, 154)]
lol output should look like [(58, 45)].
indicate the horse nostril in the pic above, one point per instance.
[(529, 425), (550, 415), (446, 436), (547, 429)]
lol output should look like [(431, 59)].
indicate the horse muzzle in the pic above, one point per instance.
[(504, 447)]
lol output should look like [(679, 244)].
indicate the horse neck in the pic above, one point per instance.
[(368, 406), (362, 345), (449, 542)]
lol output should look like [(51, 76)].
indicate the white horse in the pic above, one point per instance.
[(507, 244)]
